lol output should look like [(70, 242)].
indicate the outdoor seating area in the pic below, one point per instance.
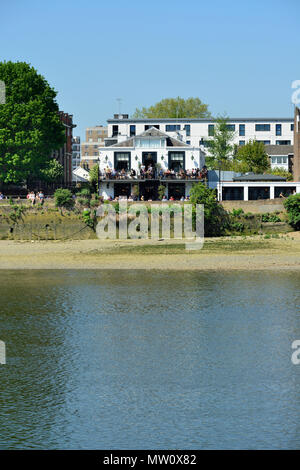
[(151, 173)]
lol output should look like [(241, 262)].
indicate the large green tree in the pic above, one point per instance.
[(253, 157), (174, 108), (30, 128)]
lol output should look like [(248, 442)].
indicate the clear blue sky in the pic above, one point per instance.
[(240, 57)]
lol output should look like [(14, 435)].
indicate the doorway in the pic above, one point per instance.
[(149, 159), (149, 189)]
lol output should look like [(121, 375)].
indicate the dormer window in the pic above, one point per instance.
[(150, 143)]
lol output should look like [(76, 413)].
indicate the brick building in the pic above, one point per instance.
[(94, 139), (64, 154)]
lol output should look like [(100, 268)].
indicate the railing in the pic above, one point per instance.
[(145, 177)]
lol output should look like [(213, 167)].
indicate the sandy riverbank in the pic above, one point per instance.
[(224, 253)]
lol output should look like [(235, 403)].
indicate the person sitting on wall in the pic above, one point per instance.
[(161, 173), (1, 196), (123, 174), (164, 199), (132, 173), (167, 173)]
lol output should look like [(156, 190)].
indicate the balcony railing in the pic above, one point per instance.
[(161, 176)]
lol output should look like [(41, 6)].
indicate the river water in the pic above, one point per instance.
[(149, 360)]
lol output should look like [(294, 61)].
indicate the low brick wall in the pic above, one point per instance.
[(261, 206)]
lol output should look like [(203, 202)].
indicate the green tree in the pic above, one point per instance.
[(282, 172), (220, 146), (215, 217), (63, 198), (292, 205), (174, 108), (253, 157), (30, 128), (94, 177), (53, 171)]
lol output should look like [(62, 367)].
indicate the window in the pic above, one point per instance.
[(205, 143), (279, 160), (278, 129), (231, 127), (122, 160), (188, 130), (149, 143), (265, 142), (172, 127), (292, 127), (132, 130), (211, 129), (241, 142), (188, 142), (176, 161), (283, 142), (242, 129), (115, 130), (262, 127)]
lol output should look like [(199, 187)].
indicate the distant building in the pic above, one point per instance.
[(76, 154), (94, 138)]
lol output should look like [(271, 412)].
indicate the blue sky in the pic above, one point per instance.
[(240, 57)]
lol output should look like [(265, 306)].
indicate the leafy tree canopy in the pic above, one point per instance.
[(253, 157), (174, 108), (30, 128), (220, 147), (53, 171)]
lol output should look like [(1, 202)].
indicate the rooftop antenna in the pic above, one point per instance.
[(119, 100)]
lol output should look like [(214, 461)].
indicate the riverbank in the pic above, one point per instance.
[(224, 253)]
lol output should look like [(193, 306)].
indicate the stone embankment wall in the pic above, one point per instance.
[(256, 207)]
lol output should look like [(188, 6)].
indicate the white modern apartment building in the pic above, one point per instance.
[(196, 132)]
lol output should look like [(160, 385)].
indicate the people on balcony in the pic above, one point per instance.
[(151, 173)]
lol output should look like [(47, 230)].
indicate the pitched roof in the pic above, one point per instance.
[(279, 150), (152, 132), (254, 177)]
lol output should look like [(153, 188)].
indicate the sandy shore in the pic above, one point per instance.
[(225, 253)]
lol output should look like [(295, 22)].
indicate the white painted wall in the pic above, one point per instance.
[(199, 130)]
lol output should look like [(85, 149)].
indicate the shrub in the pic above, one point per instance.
[(270, 218), (292, 206), (237, 212), (63, 198), (216, 219)]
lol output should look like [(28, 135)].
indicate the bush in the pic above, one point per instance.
[(270, 218), (63, 198), (292, 206), (216, 219)]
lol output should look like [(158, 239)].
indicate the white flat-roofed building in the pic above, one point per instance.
[(196, 132)]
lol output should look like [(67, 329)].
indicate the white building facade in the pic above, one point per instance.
[(196, 132), (148, 160)]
